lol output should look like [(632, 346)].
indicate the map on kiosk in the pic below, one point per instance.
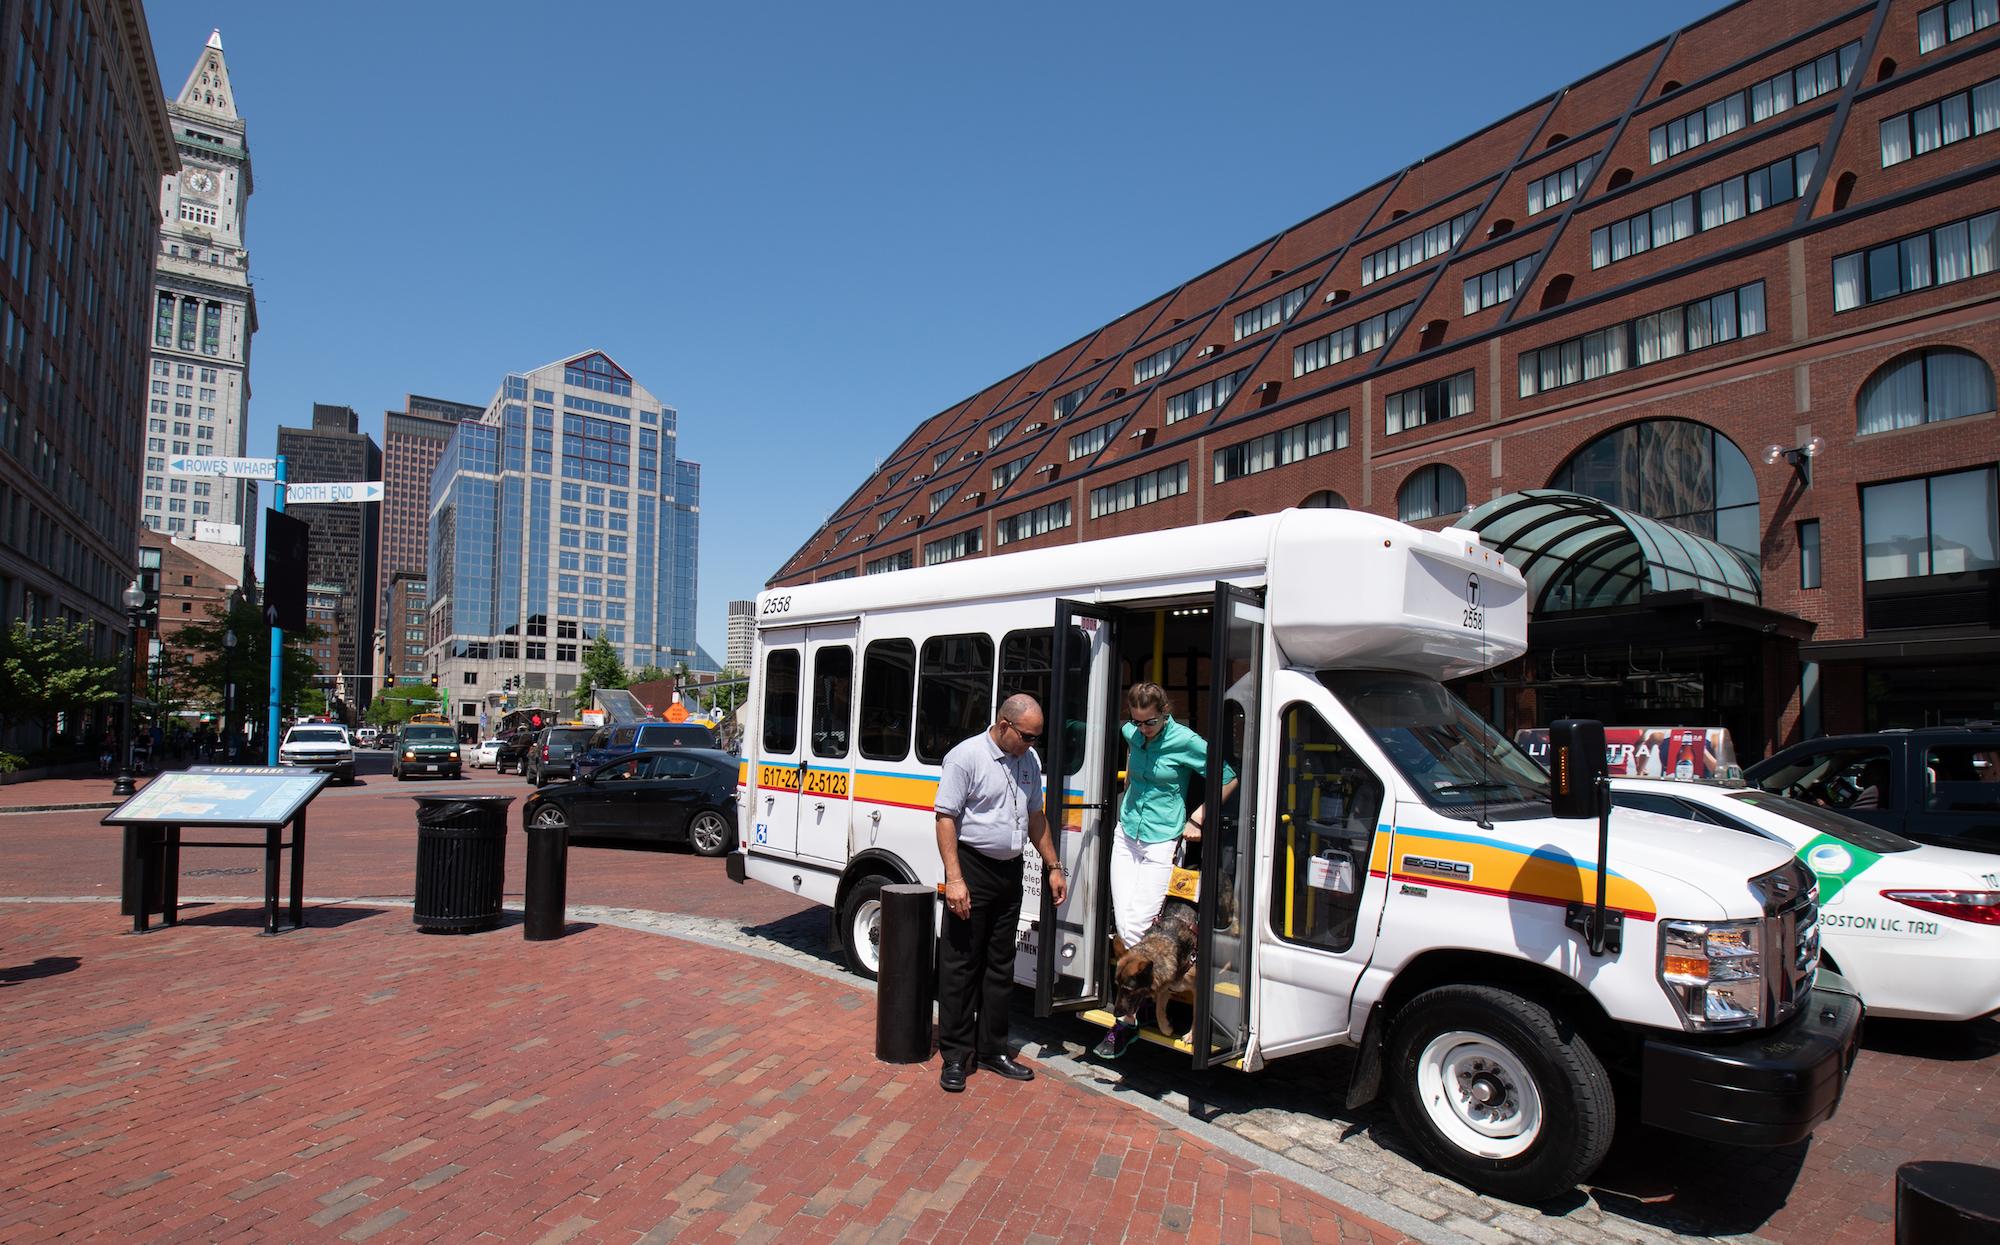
[(221, 795)]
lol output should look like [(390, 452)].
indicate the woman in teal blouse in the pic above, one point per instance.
[(1162, 758)]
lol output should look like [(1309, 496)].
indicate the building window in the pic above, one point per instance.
[(1490, 289), (1940, 256), (1952, 119), (1139, 490), (1938, 525), (1069, 402), (1925, 387), (1204, 398), (940, 496), (1648, 339), (993, 438), (951, 548), (1709, 208), (1760, 102), (1325, 499), (1948, 23), (1343, 344), (1003, 475), (1427, 404), (1682, 473), (1157, 363), (1049, 518), (1270, 312), (1809, 554), (892, 562), (1282, 448), (1417, 248), (1429, 492), (1086, 443), (939, 459), (1558, 187)]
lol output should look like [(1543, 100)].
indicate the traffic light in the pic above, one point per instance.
[(434, 678), (388, 680)]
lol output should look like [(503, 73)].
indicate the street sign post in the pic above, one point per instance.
[(234, 468), (333, 492)]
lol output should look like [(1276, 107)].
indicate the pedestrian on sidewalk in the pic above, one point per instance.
[(989, 806)]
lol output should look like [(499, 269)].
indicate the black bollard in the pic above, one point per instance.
[(1947, 1204), (546, 900), (906, 984)]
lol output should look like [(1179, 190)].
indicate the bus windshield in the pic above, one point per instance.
[(1458, 762)]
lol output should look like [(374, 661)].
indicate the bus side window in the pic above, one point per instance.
[(781, 701), (832, 702), (888, 687), (954, 693), (1328, 802)]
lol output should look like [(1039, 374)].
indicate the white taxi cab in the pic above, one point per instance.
[(1915, 928)]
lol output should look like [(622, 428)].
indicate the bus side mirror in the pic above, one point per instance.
[(1576, 767)]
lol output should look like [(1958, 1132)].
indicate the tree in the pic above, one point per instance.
[(601, 668), (50, 669), (399, 704), (251, 663), (651, 674), (722, 696)]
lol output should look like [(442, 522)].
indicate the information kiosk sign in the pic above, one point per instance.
[(252, 797)]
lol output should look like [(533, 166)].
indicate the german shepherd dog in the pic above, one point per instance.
[(1161, 963)]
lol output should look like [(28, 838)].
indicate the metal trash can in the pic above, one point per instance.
[(461, 862)]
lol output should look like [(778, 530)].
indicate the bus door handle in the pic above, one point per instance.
[(1099, 806)]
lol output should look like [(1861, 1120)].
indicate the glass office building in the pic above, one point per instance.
[(562, 513)]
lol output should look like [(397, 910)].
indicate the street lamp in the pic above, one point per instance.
[(135, 615), (228, 693)]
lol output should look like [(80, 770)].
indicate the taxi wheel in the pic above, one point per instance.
[(1499, 1093)]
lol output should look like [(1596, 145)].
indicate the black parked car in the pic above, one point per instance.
[(1935, 785), (553, 753), (679, 795), (513, 754), (612, 742)]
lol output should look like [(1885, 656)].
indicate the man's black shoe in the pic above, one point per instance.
[(952, 1079), (1007, 1066)]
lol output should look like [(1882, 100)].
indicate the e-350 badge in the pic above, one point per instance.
[(1451, 870)]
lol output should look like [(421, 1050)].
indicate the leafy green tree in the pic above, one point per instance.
[(601, 668), (650, 674), (399, 704), (51, 669), (721, 695), (251, 663)]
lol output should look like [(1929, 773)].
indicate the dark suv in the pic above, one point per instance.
[(1939, 784), (554, 752), (613, 742), (513, 752)]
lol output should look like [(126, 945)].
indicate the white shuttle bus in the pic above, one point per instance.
[(1388, 875)]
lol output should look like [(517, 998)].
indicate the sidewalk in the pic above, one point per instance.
[(361, 1081)]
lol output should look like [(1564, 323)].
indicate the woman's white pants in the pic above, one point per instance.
[(1140, 873)]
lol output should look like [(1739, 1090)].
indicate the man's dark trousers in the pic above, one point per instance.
[(976, 960)]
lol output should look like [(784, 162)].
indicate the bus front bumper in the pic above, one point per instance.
[(1770, 1088)]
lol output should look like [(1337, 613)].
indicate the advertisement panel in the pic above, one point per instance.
[(1686, 752)]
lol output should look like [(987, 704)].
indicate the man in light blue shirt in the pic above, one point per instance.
[(989, 806)]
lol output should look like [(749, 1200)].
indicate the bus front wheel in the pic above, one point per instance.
[(1499, 1092)]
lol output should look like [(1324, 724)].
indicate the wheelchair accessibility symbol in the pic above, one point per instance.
[(763, 833)]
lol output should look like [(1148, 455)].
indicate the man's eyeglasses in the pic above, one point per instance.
[(1026, 737), (1147, 723)]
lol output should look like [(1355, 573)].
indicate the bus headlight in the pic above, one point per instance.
[(1714, 972)]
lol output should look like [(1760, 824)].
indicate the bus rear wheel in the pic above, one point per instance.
[(1499, 1093), (861, 926)]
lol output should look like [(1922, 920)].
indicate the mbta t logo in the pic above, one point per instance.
[(1475, 613)]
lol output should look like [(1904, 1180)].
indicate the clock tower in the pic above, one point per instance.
[(204, 313)]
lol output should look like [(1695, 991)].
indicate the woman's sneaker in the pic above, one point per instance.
[(1117, 1041)]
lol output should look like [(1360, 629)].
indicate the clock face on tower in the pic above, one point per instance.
[(201, 182)]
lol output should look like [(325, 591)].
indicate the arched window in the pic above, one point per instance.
[(1325, 499), (1618, 178), (1686, 475), (1923, 387), (1429, 492), (1240, 514)]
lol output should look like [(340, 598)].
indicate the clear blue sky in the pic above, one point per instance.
[(808, 226)]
